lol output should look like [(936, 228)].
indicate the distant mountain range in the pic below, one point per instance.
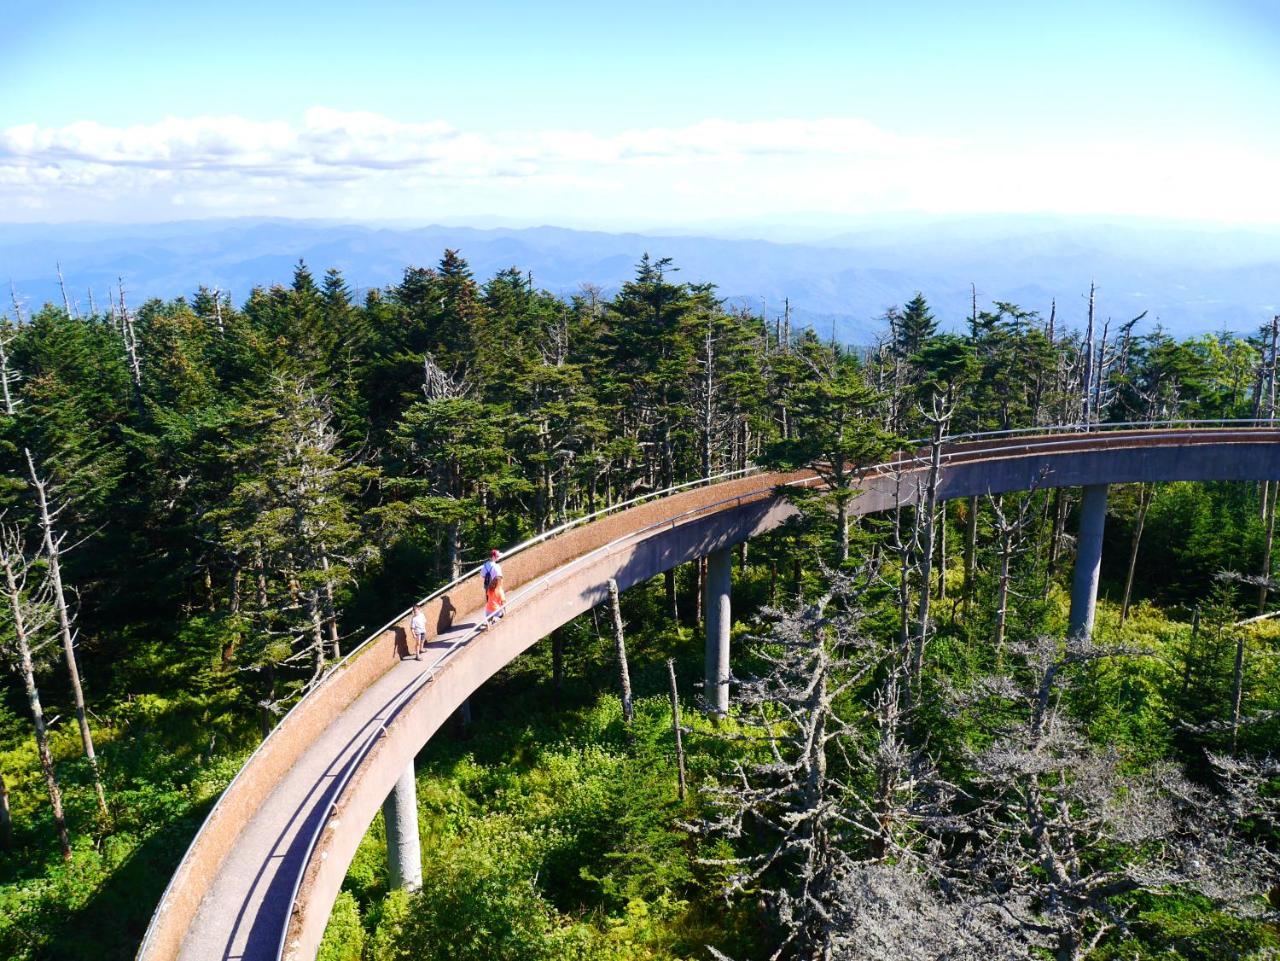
[(1189, 278)]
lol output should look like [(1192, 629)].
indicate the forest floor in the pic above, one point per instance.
[(551, 830)]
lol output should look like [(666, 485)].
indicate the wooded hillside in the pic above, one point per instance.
[(205, 504)]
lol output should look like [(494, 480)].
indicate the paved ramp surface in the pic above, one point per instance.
[(260, 878), (240, 916)]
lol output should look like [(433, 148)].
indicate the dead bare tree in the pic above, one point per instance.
[(10, 377), (942, 552), (1225, 857), (1145, 493), (67, 306), (1087, 373), (834, 852), (799, 793), (707, 390), (438, 384), (791, 796), (17, 304), (129, 335), (889, 909), (53, 553), (1067, 829), (942, 409), (620, 645), (904, 542), (676, 729), (1100, 359), (1112, 366), (1011, 529), (30, 613)]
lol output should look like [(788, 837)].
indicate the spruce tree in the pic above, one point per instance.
[(291, 518), (835, 432)]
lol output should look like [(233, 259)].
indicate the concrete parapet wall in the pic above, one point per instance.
[(571, 592), (568, 574), (298, 730)]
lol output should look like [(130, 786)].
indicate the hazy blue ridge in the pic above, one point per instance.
[(1191, 279)]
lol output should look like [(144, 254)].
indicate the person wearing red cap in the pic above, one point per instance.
[(491, 569)]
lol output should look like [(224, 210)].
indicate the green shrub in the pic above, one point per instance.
[(344, 935)]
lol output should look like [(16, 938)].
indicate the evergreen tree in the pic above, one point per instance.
[(291, 519), (835, 433), (913, 326), (451, 450), (651, 359)]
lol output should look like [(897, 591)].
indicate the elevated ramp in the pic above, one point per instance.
[(262, 874)]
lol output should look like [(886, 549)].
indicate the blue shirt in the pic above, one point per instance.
[(490, 570)]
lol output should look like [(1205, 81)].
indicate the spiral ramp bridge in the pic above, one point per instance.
[(260, 877)]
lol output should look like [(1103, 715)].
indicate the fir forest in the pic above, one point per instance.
[(919, 753)]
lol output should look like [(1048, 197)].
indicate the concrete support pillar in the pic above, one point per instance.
[(1084, 585), (404, 853), (719, 619)]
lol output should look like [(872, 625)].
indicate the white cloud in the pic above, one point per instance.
[(200, 142), (375, 166)]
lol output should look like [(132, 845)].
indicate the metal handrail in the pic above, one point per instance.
[(353, 765), (335, 669), (1051, 441), (402, 700), (432, 669), (555, 532), (1096, 427), (525, 592)]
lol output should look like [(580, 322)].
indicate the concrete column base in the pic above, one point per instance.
[(404, 853), (719, 620), (1084, 585)]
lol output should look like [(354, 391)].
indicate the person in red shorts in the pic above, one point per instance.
[(495, 600)]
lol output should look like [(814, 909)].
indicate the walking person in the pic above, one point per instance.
[(491, 568), (495, 601), (418, 627)]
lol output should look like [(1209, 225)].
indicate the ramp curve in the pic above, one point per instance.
[(261, 875)]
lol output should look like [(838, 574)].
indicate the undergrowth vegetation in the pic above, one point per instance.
[(169, 745), (551, 832), (203, 506)]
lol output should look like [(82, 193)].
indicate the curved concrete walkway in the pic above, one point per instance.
[(285, 830)]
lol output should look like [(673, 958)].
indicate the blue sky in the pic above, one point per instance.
[(660, 112)]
